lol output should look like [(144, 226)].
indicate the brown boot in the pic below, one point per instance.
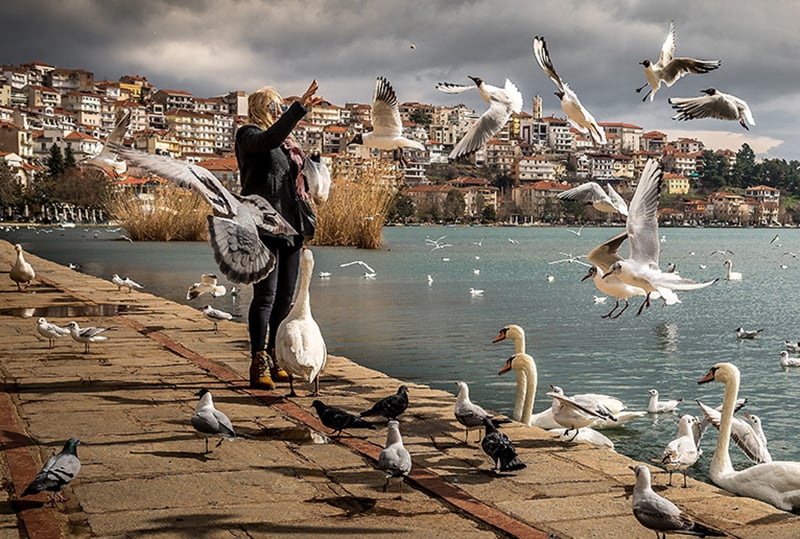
[(277, 373), (259, 372)]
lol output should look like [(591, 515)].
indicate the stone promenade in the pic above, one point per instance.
[(144, 473)]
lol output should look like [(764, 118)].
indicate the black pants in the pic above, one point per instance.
[(272, 296)]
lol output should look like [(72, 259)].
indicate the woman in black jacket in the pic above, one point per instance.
[(270, 165)]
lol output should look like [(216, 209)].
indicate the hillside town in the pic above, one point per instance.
[(515, 178)]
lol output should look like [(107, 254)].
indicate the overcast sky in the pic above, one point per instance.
[(209, 47)]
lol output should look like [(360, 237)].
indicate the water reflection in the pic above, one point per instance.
[(667, 337), (69, 311)]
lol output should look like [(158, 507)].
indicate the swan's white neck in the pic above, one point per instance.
[(519, 342), (721, 462), (527, 379), (302, 302)]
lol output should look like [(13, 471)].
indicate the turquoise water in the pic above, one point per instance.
[(440, 334)]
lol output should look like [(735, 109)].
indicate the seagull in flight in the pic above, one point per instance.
[(669, 69), (502, 103), (437, 243), (387, 128), (641, 269), (237, 221), (592, 193), (580, 118), (207, 285), (107, 160), (369, 274), (714, 104), (570, 259), (576, 232)]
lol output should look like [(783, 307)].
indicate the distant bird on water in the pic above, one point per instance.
[(578, 115), (390, 407), (207, 420), (21, 272), (714, 104), (502, 103), (237, 221), (57, 472), (669, 69), (742, 333), (338, 419), (387, 127)]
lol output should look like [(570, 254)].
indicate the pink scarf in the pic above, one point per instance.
[(296, 154)]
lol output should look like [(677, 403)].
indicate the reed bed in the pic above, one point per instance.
[(357, 206), (165, 213)]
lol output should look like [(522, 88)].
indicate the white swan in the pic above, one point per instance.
[(777, 483), (21, 272), (731, 275), (527, 376), (299, 346), (654, 406)]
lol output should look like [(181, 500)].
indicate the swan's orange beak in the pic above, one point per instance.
[(708, 377), (500, 336), (507, 366)]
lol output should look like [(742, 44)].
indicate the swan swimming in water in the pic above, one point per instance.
[(777, 482), (731, 275)]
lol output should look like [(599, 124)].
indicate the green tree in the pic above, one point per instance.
[(744, 170), (419, 116), (69, 159), (402, 208), (489, 214), (454, 205), (10, 187), (55, 161), (715, 171)]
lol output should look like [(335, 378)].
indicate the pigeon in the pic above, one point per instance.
[(387, 127), (658, 513), (338, 420), (502, 103), (215, 315), (57, 472), (470, 414), (742, 333), (210, 421), (86, 335), (592, 193), (130, 284), (390, 407), (395, 459), (500, 449), (236, 222), (207, 285), (579, 117), (21, 272), (714, 104), (669, 69), (50, 331)]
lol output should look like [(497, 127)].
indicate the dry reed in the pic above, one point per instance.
[(358, 204), (164, 213)]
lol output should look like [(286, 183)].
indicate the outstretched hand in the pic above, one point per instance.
[(309, 99)]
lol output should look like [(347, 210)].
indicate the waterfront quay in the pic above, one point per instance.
[(144, 471)]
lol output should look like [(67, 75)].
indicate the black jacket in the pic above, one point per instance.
[(264, 166)]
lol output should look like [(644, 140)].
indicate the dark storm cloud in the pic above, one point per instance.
[(209, 48)]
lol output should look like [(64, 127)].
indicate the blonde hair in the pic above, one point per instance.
[(258, 106)]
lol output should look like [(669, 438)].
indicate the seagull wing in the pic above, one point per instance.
[(642, 224), (668, 47), (483, 129), (542, 56), (603, 256), (385, 112), (106, 159), (679, 67), (587, 192), (617, 201), (360, 262), (567, 401), (451, 88), (719, 106), (208, 279), (514, 96)]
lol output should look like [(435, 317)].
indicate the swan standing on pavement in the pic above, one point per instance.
[(299, 346), (731, 275), (777, 482), (21, 271), (681, 452), (659, 407)]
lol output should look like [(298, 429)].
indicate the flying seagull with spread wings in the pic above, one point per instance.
[(237, 221), (714, 104)]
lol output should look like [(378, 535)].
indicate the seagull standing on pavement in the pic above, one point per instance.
[(592, 193), (215, 315), (580, 118), (117, 280), (502, 103), (658, 513), (394, 460), (208, 420), (390, 407), (130, 284), (236, 222), (641, 268), (387, 128), (470, 414), (50, 331), (338, 419), (681, 452), (207, 285), (714, 104), (86, 335), (57, 472), (669, 69)]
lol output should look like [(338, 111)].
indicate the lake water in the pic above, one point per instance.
[(440, 334)]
